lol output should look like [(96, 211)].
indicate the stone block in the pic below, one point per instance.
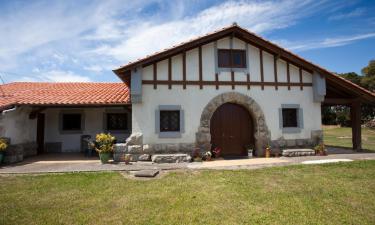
[(148, 149), (170, 158), (172, 148), (118, 156), (120, 147), (135, 139), (297, 152), (203, 137), (291, 143), (300, 142), (144, 157), (146, 173), (135, 149), (282, 142)]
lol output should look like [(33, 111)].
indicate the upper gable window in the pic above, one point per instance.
[(231, 58)]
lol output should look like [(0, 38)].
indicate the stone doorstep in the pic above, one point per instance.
[(170, 158), (298, 152)]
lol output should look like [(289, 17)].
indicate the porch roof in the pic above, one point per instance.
[(63, 94)]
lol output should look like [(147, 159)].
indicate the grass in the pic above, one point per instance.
[(342, 137), (340, 193)]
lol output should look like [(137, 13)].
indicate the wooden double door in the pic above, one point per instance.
[(232, 129)]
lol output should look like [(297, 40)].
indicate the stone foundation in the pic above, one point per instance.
[(143, 152), (316, 138)]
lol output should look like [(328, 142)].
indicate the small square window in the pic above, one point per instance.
[(290, 117), (231, 58), (71, 122), (117, 121), (169, 120)]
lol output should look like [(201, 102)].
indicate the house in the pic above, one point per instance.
[(230, 88)]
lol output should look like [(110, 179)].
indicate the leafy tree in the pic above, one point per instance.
[(368, 79)]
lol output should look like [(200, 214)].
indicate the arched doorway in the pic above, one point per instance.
[(261, 135), (232, 129)]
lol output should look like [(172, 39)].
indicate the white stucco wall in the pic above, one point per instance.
[(93, 125), (17, 126), (193, 100)]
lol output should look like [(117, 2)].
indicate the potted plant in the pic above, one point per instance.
[(3, 147), (216, 152), (208, 156), (268, 151), (250, 150), (320, 149), (196, 155), (127, 158), (104, 146)]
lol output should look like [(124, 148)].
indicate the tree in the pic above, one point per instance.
[(368, 79)]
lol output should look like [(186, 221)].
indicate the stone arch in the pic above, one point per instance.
[(262, 135)]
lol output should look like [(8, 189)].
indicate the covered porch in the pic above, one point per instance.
[(340, 92)]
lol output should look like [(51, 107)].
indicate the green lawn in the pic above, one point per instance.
[(342, 137), (321, 194)]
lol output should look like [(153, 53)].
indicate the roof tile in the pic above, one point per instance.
[(42, 93)]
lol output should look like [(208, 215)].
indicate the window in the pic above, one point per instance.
[(231, 58), (290, 117), (117, 121), (72, 122), (169, 121)]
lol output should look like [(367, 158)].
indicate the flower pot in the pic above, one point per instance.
[(250, 153), (1, 157), (104, 157)]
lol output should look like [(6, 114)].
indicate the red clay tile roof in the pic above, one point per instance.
[(41, 93)]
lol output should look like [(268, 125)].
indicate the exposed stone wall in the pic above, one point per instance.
[(316, 138), (142, 152), (261, 133)]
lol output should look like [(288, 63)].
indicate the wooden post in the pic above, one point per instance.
[(355, 116)]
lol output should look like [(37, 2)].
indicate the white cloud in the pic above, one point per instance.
[(146, 37), (54, 76), (324, 43), (56, 41), (352, 14)]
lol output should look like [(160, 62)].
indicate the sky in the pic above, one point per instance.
[(84, 40)]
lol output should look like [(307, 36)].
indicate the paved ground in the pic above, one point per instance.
[(75, 162)]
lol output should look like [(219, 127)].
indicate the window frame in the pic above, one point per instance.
[(299, 115), (117, 111), (117, 114), (61, 122), (168, 113), (169, 134), (231, 64)]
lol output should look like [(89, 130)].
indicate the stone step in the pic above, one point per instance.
[(146, 173), (297, 152), (170, 158)]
